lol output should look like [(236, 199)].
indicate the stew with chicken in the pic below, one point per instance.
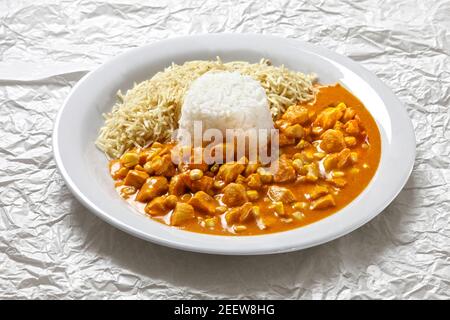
[(329, 152)]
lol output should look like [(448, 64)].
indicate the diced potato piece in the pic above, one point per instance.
[(323, 202), (183, 212), (295, 131), (285, 172), (352, 127), (177, 186), (234, 195), (135, 178), (328, 117), (254, 181), (282, 194), (296, 114), (332, 141), (129, 159), (156, 207), (318, 191), (203, 202), (152, 188), (228, 172)]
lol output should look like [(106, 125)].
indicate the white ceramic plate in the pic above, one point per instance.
[(84, 168)]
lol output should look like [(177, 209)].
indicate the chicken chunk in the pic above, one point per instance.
[(327, 118), (234, 195), (228, 172), (135, 178), (152, 188), (332, 141), (205, 183), (182, 213), (296, 115), (285, 171), (352, 127), (203, 202), (323, 202), (281, 194), (156, 207), (177, 186)]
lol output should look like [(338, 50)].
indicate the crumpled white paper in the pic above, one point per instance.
[(51, 247)]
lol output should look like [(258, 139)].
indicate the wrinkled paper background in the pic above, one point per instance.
[(51, 247)]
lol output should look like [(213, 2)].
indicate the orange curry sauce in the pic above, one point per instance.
[(343, 182)]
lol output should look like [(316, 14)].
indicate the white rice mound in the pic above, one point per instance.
[(225, 100), (151, 109)]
